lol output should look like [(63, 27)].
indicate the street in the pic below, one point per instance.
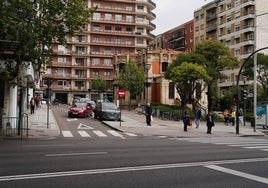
[(140, 162)]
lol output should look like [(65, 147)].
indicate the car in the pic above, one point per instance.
[(107, 111), (88, 100), (80, 109)]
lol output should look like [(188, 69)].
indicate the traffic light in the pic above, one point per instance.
[(245, 94)]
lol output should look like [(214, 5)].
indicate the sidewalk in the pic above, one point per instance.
[(41, 126), (135, 123)]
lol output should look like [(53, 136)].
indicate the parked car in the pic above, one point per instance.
[(107, 111), (80, 109), (88, 100)]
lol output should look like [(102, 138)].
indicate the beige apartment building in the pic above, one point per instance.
[(117, 27), (232, 23)]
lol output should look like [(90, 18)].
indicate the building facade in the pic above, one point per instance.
[(116, 27)]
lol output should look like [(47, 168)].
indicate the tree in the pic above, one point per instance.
[(132, 78), (262, 75), (100, 85), (33, 25), (187, 78), (217, 57)]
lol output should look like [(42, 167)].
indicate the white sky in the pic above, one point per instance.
[(172, 13)]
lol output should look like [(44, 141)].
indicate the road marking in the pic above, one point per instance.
[(83, 134), (73, 119), (83, 126), (131, 134), (116, 134), (99, 133), (67, 133), (257, 147), (74, 154), (238, 173), (242, 145), (129, 169)]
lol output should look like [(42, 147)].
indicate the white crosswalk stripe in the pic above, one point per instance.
[(116, 134), (67, 134), (99, 133), (248, 143), (83, 133), (131, 134)]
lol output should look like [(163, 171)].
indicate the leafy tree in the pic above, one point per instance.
[(217, 58), (262, 75), (33, 25), (187, 77), (100, 85), (132, 78)]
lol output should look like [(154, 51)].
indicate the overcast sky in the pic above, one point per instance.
[(172, 13)]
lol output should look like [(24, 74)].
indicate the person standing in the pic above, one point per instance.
[(226, 116), (198, 117), (32, 105), (233, 116), (185, 119), (210, 122), (148, 114)]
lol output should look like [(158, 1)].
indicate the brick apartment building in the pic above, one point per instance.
[(117, 27)]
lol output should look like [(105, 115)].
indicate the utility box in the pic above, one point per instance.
[(261, 115)]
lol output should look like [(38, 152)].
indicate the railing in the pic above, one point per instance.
[(11, 127)]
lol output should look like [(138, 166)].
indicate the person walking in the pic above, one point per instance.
[(210, 122), (226, 115), (185, 119), (233, 116), (198, 115), (148, 114), (32, 105)]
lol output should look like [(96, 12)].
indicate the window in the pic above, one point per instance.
[(62, 59), (128, 41), (171, 89), (196, 28), (118, 50), (237, 28), (96, 16), (108, 16), (95, 61), (96, 38), (118, 28), (229, 6), (80, 49), (95, 72), (139, 40), (129, 18), (118, 40), (229, 18), (237, 3), (108, 5), (140, 19), (118, 6), (107, 73), (129, 7), (107, 50), (237, 52), (62, 48), (164, 66), (118, 17), (96, 27), (80, 61), (129, 29), (96, 49), (140, 30), (237, 40), (62, 82), (96, 4), (80, 73), (108, 28), (140, 8), (108, 62), (229, 30), (79, 84)]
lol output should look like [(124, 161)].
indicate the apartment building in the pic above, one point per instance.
[(232, 23), (117, 27)]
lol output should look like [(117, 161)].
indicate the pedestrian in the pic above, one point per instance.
[(233, 116), (148, 114), (226, 115), (210, 122), (32, 105), (185, 119), (37, 101), (198, 115)]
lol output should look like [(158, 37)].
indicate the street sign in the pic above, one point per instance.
[(121, 93)]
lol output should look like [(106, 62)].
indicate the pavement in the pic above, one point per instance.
[(46, 127)]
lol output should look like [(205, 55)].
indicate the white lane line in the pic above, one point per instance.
[(74, 154), (238, 173), (257, 147), (126, 169), (131, 134), (242, 145), (83, 134), (264, 149), (67, 134), (99, 133), (116, 134)]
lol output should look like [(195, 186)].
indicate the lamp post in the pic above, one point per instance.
[(245, 100), (147, 68)]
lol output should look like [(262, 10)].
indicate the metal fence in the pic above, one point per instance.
[(11, 127)]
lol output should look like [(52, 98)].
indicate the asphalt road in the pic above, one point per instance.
[(139, 162)]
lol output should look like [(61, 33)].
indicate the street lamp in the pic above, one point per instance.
[(147, 68)]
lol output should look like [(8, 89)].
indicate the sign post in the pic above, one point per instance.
[(121, 95)]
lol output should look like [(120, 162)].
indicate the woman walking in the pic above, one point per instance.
[(210, 122)]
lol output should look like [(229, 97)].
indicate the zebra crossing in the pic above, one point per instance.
[(97, 133), (248, 143)]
